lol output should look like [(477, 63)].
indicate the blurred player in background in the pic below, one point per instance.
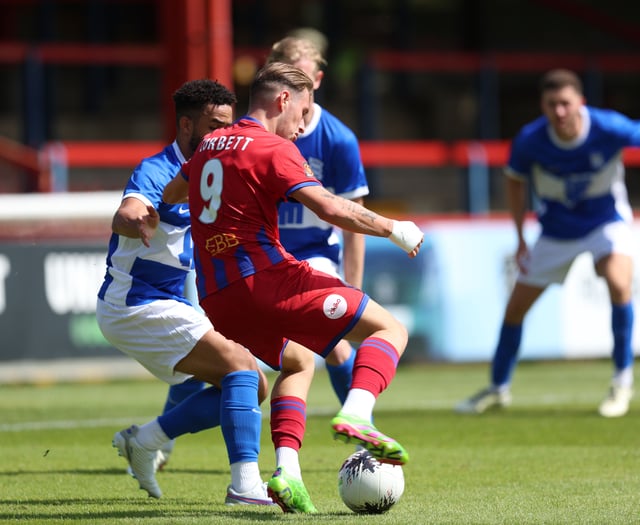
[(234, 183), (332, 151), (142, 311), (572, 157)]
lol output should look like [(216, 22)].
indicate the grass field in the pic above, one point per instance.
[(549, 459)]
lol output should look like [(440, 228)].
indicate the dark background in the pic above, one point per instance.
[(469, 71)]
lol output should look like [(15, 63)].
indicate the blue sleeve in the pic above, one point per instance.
[(520, 163), (347, 166), (147, 181), (619, 125)]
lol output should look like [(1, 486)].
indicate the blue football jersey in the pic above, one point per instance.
[(332, 151), (580, 184), (136, 274)]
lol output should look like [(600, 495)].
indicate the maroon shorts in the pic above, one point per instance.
[(289, 300)]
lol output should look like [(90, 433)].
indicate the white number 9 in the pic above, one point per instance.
[(210, 190)]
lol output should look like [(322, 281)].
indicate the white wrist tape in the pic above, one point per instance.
[(406, 235)]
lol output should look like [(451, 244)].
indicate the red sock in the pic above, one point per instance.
[(288, 421), (375, 365)]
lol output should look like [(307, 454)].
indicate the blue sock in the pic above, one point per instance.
[(240, 415), (178, 393), (504, 360), (198, 412), (340, 376), (622, 326)]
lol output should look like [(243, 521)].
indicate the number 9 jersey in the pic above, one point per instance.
[(234, 215)]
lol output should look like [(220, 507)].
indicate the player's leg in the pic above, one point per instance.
[(142, 445), (339, 362), (339, 365), (228, 365), (503, 363), (520, 302), (617, 270), (181, 391), (383, 340), (177, 394), (288, 422)]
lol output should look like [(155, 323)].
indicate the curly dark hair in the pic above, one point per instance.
[(194, 95)]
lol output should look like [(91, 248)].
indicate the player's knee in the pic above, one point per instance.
[(403, 336), (340, 354), (297, 359)]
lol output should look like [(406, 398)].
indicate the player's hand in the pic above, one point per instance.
[(147, 225), (407, 236)]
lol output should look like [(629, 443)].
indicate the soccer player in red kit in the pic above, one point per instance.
[(278, 307)]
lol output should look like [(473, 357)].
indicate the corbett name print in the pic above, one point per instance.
[(225, 143)]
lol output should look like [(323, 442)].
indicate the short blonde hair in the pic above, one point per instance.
[(291, 49), (277, 74)]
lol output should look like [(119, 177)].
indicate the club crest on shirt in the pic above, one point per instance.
[(335, 306), (307, 169)]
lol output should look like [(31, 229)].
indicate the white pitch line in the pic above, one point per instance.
[(71, 423), (544, 400)]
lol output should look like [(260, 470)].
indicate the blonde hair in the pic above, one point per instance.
[(277, 74), (291, 49)]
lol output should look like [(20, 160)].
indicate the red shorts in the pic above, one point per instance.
[(289, 300)]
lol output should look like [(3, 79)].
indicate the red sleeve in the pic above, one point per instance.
[(290, 168)]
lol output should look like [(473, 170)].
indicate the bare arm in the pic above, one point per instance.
[(176, 191), (353, 255), (353, 217), (343, 213), (135, 219), (517, 204)]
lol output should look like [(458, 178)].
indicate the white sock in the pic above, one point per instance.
[(359, 403), (245, 476), (151, 436), (288, 458), (623, 378)]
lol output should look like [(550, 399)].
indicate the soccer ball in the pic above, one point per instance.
[(367, 486)]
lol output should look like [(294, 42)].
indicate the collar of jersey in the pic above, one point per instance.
[(311, 127), (580, 139), (247, 117)]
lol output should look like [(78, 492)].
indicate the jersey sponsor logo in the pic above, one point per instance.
[(183, 209), (221, 242), (335, 306)]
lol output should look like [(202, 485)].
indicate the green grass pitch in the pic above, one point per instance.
[(548, 459)]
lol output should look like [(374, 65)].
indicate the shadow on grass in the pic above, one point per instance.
[(128, 509), (110, 472)]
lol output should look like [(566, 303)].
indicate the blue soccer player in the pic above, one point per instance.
[(332, 151), (572, 157), (142, 311)]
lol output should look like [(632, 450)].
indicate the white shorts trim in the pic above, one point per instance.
[(157, 335), (550, 259)]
